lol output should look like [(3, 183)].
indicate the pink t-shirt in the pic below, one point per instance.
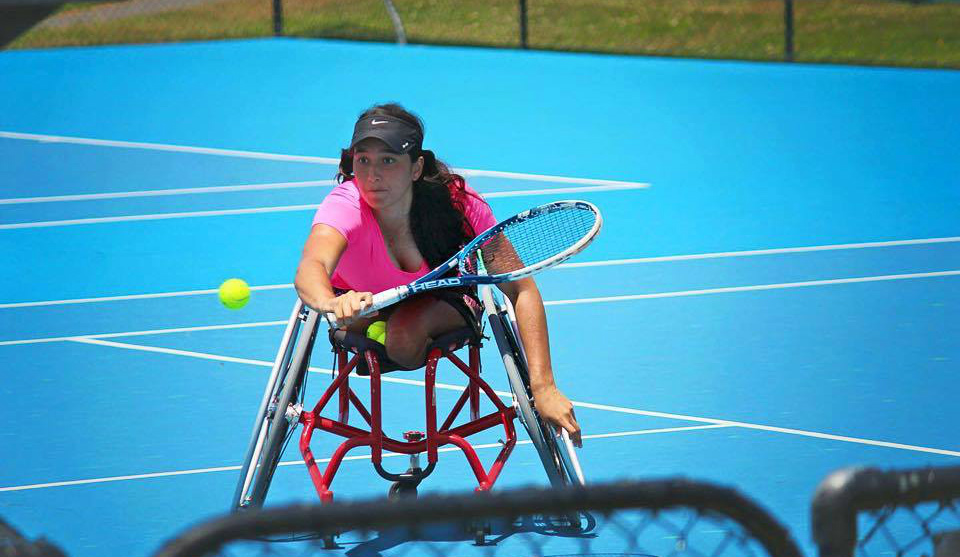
[(365, 265)]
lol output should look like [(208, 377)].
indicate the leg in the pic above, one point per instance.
[(414, 324)]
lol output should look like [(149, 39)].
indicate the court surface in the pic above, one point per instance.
[(775, 293)]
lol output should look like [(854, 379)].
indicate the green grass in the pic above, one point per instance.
[(885, 32)]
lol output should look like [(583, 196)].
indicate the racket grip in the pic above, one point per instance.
[(380, 300)]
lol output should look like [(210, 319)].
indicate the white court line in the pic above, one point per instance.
[(682, 293), (165, 147), (159, 216), (137, 296), (606, 263), (613, 186), (145, 333), (467, 172), (605, 407), (386, 454), (775, 429), (157, 193), (280, 209), (580, 189), (273, 156), (754, 288), (772, 251), (259, 363), (174, 352)]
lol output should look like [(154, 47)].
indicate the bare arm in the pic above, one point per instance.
[(552, 405), (321, 253)]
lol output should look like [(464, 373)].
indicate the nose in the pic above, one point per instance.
[(373, 173)]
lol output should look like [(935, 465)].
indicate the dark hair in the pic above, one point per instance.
[(437, 218)]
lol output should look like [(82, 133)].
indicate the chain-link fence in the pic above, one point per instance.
[(899, 32), (873, 513), (670, 517), (13, 544)]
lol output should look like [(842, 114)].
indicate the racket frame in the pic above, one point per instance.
[(435, 279)]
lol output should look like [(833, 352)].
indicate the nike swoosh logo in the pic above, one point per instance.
[(375, 122)]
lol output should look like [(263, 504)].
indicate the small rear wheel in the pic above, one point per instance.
[(403, 489), (330, 542), (480, 531)]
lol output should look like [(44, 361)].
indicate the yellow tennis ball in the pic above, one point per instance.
[(234, 293), (382, 339), (376, 329)]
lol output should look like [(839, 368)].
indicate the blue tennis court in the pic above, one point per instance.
[(774, 294)]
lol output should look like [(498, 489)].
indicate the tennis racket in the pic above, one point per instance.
[(526, 243)]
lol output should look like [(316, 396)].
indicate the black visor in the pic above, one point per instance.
[(399, 135)]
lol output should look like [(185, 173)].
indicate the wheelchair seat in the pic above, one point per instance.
[(356, 343)]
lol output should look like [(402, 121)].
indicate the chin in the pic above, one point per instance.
[(376, 200)]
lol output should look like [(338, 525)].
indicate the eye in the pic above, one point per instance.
[(389, 160), (362, 159)]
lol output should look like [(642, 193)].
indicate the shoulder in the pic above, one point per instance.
[(345, 194), (476, 209), (341, 209)]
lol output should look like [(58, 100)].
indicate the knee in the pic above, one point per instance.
[(405, 345)]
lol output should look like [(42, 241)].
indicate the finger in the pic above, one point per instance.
[(346, 310), (576, 438), (573, 430)]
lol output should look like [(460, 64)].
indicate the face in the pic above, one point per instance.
[(383, 176)]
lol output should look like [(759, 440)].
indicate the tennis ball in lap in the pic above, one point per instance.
[(234, 293), (376, 330)]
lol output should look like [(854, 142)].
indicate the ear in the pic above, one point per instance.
[(417, 170)]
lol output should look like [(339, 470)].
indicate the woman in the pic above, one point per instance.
[(396, 214)]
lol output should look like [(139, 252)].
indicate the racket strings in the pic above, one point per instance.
[(530, 241)]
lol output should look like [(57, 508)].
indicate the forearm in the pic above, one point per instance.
[(552, 405), (532, 322), (313, 284)]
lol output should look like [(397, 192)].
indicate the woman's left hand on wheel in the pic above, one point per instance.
[(557, 410)]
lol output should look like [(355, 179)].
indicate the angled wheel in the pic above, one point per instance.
[(556, 452), (403, 489), (277, 417)]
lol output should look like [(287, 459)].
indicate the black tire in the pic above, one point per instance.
[(402, 490), (518, 375), (480, 530), (259, 433), (280, 428), (537, 429)]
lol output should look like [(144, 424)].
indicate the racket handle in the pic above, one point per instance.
[(380, 301)]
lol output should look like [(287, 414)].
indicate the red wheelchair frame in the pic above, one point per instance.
[(281, 409), (416, 442)]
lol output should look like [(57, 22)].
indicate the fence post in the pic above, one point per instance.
[(523, 23), (788, 30), (278, 18)]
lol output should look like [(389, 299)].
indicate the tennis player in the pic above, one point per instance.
[(397, 213)]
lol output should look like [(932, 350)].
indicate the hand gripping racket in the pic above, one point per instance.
[(527, 243)]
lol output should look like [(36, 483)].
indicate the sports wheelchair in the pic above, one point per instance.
[(282, 409)]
